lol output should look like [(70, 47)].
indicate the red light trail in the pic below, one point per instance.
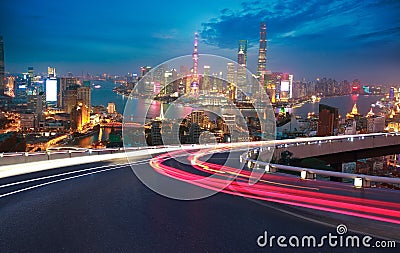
[(277, 188)]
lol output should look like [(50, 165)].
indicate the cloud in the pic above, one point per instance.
[(380, 35), (291, 21), (171, 34)]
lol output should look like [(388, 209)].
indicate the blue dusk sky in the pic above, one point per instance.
[(316, 38)]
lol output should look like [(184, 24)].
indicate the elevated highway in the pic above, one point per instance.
[(95, 203), (340, 148)]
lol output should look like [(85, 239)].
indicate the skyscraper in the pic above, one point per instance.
[(31, 74), (51, 72), (65, 83), (111, 108), (144, 70), (206, 79), (241, 72), (242, 53), (262, 53), (197, 117), (328, 120), (155, 132), (80, 116), (230, 72), (230, 77), (70, 98), (51, 90), (167, 84), (1, 66), (84, 94), (10, 86), (159, 74)]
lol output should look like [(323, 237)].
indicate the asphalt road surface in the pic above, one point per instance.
[(103, 207)]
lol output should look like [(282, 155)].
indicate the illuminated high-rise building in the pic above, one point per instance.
[(242, 60), (284, 82), (158, 75), (241, 71), (391, 93), (168, 86), (80, 116), (230, 72), (155, 132), (144, 70), (270, 84), (242, 53), (84, 94), (230, 77), (111, 108), (206, 79), (51, 72), (51, 90), (262, 53), (197, 117), (10, 87), (1, 66)]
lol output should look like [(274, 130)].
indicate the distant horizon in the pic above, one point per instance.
[(65, 74), (334, 39)]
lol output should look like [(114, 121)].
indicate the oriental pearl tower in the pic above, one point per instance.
[(194, 87)]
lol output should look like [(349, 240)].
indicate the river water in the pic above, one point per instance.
[(105, 94), (343, 103)]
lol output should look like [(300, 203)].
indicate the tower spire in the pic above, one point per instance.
[(195, 57), (195, 75)]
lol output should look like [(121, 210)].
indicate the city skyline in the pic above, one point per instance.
[(334, 39)]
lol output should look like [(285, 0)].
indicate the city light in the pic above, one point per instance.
[(51, 90)]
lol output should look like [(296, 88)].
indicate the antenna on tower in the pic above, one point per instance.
[(195, 57)]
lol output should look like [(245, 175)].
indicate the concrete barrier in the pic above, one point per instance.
[(64, 159), (319, 146)]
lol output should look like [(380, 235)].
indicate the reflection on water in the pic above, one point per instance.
[(141, 110), (343, 103), (84, 142)]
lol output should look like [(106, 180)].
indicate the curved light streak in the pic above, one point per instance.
[(276, 188)]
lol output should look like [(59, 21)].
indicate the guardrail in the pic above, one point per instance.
[(330, 139), (360, 180), (306, 173), (26, 157), (141, 153)]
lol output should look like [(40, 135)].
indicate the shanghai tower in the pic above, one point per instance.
[(262, 53)]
